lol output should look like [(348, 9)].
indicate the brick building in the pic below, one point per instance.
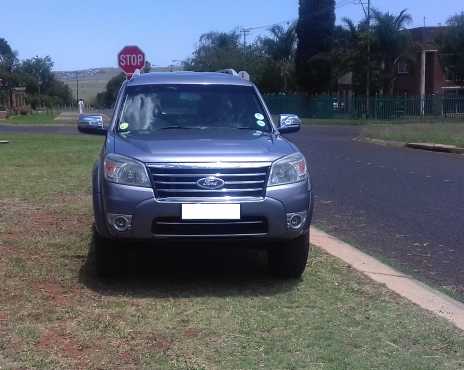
[(12, 100), (425, 76)]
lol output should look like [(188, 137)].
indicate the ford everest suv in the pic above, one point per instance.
[(194, 157)]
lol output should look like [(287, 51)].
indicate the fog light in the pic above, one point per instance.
[(296, 221), (120, 223)]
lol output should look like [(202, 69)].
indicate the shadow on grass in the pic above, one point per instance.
[(189, 270)]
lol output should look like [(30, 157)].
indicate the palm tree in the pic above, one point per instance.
[(7, 56), (280, 47), (451, 43), (391, 42), (348, 47), (348, 54), (8, 62)]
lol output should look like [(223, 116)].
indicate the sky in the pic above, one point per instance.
[(82, 34)]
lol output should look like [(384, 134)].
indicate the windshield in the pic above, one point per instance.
[(163, 107)]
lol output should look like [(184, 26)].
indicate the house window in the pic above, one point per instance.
[(403, 67), (452, 76)]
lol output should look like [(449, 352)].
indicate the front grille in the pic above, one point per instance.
[(175, 227), (180, 180)]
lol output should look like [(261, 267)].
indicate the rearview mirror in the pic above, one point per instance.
[(289, 123), (91, 124)]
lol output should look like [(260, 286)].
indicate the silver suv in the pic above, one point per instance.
[(196, 157)]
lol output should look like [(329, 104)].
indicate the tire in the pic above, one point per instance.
[(288, 259), (108, 256)]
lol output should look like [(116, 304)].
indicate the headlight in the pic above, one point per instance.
[(288, 170), (125, 171)]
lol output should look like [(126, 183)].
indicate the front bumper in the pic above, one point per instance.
[(145, 209)]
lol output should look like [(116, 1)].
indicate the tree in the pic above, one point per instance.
[(37, 73), (58, 93), (315, 31), (349, 56), (280, 48), (8, 62), (391, 42), (216, 51), (41, 85), (8, 58), (269, 60), (452, 46), (107, 98), (223, 50)]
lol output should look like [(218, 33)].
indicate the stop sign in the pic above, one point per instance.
[(131, 58)]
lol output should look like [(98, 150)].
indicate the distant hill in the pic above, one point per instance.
[(97, 74), (93, 81)]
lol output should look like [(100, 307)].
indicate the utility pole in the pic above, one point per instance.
[(367, 13), (368, 76), (39, 83), (245, 32), (77, 87)]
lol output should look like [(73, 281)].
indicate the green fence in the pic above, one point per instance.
[(380, 108)]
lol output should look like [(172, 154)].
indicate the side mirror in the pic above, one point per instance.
[(289, 123), (91, 124)]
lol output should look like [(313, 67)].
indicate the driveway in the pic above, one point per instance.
[(400, 204)]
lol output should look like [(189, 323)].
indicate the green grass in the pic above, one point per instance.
[(333, 121), (188, 309), (38, 166), (32, 118), (438, 133)]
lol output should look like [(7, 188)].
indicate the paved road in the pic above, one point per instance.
[(403, 204), (30, 129)]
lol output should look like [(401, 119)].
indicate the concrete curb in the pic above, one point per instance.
[(404, 285), (422, 146), (396, 144), (436, 147)]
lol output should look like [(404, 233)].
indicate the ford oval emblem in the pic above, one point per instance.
[(210, 183)]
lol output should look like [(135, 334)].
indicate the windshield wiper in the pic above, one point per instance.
[(248, 128), (176, 128)]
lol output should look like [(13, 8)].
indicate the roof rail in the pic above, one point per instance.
[(242, 74), (136, 73), (229, 71)]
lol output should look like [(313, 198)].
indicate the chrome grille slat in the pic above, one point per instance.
[(189, 236), (208, 191), (174, 181), (208, 223), (244, 182), (200, 175), (194, 183), (178, 228)]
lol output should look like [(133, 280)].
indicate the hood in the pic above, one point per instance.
[(210, 145)]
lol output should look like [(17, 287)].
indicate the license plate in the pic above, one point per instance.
[(211, 211)]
